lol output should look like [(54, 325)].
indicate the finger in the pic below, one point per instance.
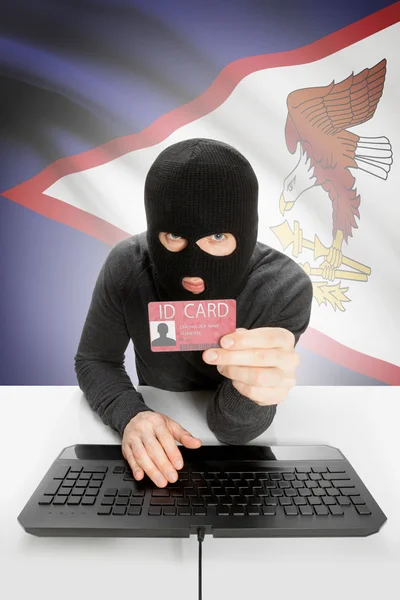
[(136, 470), (168, 442), (146, 463), (158, 455), (261, 337), (256, 376), (257, 357), (183, 436)]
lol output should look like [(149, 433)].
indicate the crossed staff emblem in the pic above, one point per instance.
[(323, 291)]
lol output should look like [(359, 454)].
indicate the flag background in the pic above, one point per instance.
[(79, 76)]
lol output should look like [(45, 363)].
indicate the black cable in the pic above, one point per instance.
[(200, 536)]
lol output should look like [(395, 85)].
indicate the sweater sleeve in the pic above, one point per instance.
[(100, 358), (234, 418)]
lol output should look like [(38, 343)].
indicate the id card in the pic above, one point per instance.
[(190, 324)]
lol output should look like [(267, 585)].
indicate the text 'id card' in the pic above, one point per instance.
[(190, 324)]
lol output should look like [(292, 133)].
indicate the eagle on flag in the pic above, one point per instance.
[(317, 122)]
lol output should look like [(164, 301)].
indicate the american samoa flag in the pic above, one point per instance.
[(309, 92)]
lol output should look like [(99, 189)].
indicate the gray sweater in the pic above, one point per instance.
[(278, 293)]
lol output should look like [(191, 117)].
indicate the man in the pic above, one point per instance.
[(201, 199)]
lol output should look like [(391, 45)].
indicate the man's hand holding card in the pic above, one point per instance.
[(261, 362)]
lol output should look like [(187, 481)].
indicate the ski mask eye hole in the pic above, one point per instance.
[(218, 244), (172, 241)]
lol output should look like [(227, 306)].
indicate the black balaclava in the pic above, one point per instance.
[(196, 188)]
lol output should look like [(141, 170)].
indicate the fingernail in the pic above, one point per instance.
[(220, 368), (178, 464), (160, 481), (227, 342), (137, 474), (172, 476), (211, 356)]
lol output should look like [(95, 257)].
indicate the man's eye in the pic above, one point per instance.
[(174, 234), (216, 234)]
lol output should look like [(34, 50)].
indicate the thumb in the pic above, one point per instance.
[(183, 436)]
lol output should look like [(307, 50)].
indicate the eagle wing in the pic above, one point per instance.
[(334, 107)]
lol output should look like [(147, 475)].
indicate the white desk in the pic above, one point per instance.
[(363, 422)]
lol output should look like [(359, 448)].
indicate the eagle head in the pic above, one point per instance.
[(298, 181)]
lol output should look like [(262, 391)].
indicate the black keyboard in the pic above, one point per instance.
[(298, 491), (81, 497)]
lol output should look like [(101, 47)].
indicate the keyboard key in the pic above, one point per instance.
[(252, 511), (75, 469), (235, 476), (291, 510), (186, 502), (72, 476), (64, 491), (95, 484), (329, 500), (52, 488), (312, 484), (302, 477), (81, 484), (184, 511), (45, 500), (104, 510), (119, 510), (319, 469), (303, 469), (288, 476), (275, 477), (343, 500), (270, 501), (324, 484), (352, 491), (119, 470), (124, 492), (356, 499), (336, 510), (74, 500), (136, 501), (122, 501), (321, 510), (223, 510), (91, 492), (159, 492), (319, 492), (134, 510), (77, 492), (314, 500), (197, 502), (162, 502), (315, 476), (238, 510), (285, 501), (331, 476), (85, 476), (343, 483), (306, 510), (363, 510), (332, 492), (156, 511), (300, 501), (138, 493), (279, 492), (268, 510), (99, 469), (107, 501), (336, 470), (111, 492), (98, 476), (88, 501), (59, 500), (305, 492), (198, 510), (61, 473)]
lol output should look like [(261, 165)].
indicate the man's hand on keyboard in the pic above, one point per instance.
[(149, 445)]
